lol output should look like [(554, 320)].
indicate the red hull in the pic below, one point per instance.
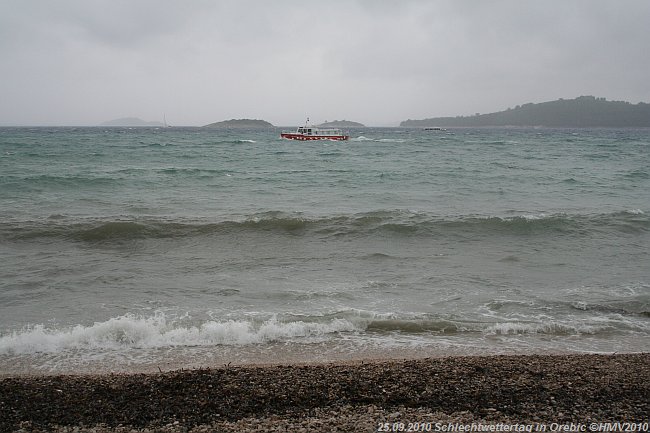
[(301, 137)]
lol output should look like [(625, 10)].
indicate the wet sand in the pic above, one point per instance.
[(355, 396)]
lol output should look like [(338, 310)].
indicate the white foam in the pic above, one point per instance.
[(516, 328), (130, 331), (530, 217)]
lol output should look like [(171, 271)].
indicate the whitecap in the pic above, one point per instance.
[(130, 331)]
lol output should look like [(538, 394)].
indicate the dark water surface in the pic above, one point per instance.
[(121, 249)]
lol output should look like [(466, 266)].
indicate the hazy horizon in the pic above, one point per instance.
[(163, 121), (77, 63)]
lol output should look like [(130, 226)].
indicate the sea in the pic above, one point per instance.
[(156, 249)]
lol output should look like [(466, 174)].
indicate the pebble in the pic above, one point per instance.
[(328, 398)]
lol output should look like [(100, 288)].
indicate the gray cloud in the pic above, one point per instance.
[(378, 62)]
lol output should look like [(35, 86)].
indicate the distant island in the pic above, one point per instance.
[(130, 121), (341, 124), (581, 112), (240, 123)]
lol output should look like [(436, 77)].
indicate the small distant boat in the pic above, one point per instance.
[(306, 132), (434, 128)]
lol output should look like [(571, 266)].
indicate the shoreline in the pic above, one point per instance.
[(153, 361), (349, 396)]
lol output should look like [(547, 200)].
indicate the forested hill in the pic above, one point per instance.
[(585, 111)]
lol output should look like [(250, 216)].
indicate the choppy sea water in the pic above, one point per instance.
[(137, 249)]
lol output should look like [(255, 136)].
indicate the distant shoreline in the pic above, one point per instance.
[(241, 124), (292, 127), (581, 112)]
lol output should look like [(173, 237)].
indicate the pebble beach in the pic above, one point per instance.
[(361, 396)]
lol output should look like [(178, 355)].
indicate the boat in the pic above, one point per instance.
[(315, 133), (434, 128)]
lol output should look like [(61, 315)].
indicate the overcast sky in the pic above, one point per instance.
[(378, 62)]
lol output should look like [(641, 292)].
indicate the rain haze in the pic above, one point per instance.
[(375, 62)]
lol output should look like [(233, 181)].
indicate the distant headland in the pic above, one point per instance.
[(131, 121), (581, 112), (240, 123), (341, 124)]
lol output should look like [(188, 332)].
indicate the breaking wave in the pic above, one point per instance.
[(132, 331)]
